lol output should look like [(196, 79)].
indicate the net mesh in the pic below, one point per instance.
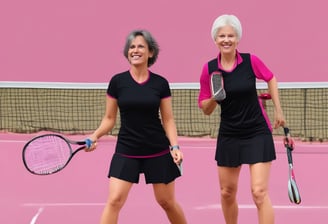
[(79, 108)]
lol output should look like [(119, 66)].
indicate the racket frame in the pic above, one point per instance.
[(293, 192), (180, 167), (220, 94), (69, 142)]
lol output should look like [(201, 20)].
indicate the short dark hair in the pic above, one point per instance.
[(150, 40)]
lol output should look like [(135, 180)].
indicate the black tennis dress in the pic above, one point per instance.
[(244, 135)]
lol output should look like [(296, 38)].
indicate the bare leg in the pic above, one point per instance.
[(228, 178), (260, 173), (118, 193), (165, 196)]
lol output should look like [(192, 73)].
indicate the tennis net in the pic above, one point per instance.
[(77, 108)]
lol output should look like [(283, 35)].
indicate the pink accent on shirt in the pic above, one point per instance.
[(265, 115), (148, 156), (260, 70)]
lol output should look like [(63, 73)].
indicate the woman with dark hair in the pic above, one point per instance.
[(147, 141)]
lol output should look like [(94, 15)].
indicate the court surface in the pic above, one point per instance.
[(78, 193)]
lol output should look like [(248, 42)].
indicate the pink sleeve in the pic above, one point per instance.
[(261, 71), (205, 90)]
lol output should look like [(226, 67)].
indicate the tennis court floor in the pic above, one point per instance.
[(78, 193)]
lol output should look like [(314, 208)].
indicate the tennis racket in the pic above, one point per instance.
[(263, 97), (50, 153), (180, 167), (293, 192), (217, 86)]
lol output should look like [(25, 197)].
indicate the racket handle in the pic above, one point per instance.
[(88, 142), (289, 156), (288, 141), (286, 130), (288, 146)]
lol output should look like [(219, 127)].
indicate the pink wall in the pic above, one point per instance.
[(82, 40)]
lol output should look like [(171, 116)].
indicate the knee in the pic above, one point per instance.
[(259, 195), (228, 194), (115, 202), (165, 203)]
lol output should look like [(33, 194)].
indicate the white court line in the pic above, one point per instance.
[(204, 207), (13, 141), (60, 204), (250, 206), (35, 217)]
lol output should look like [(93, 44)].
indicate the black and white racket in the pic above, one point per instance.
[(217, 86), (180, 167), (293, 192), (50, 153)]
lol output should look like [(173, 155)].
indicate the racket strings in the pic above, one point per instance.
[(47, 154), (218, 91)]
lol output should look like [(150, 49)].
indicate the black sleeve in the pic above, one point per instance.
[(112, 87)]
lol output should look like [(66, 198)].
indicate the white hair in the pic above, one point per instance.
[(225, 20)]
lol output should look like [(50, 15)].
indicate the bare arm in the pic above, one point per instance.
[(208, 106), (170, 127), (107, 122), (279, 119)]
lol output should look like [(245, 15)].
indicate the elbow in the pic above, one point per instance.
[(207, 111), (208, 106)]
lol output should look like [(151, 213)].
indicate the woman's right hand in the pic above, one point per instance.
[(93, 144)]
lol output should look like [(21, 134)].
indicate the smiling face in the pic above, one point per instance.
[(138, 53), (227, 40)]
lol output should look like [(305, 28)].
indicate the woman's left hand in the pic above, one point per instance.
[(177, 156), (279, 120)]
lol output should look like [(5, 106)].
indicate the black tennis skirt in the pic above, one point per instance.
[(160, 169), (233, 152)]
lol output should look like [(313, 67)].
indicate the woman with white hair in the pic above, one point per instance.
[(245, 133)]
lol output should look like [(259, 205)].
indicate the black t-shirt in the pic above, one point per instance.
[(141, 132)]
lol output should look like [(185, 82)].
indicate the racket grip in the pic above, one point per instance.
[(289, 156), (88, 142), (286, 131), (288, 143)]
